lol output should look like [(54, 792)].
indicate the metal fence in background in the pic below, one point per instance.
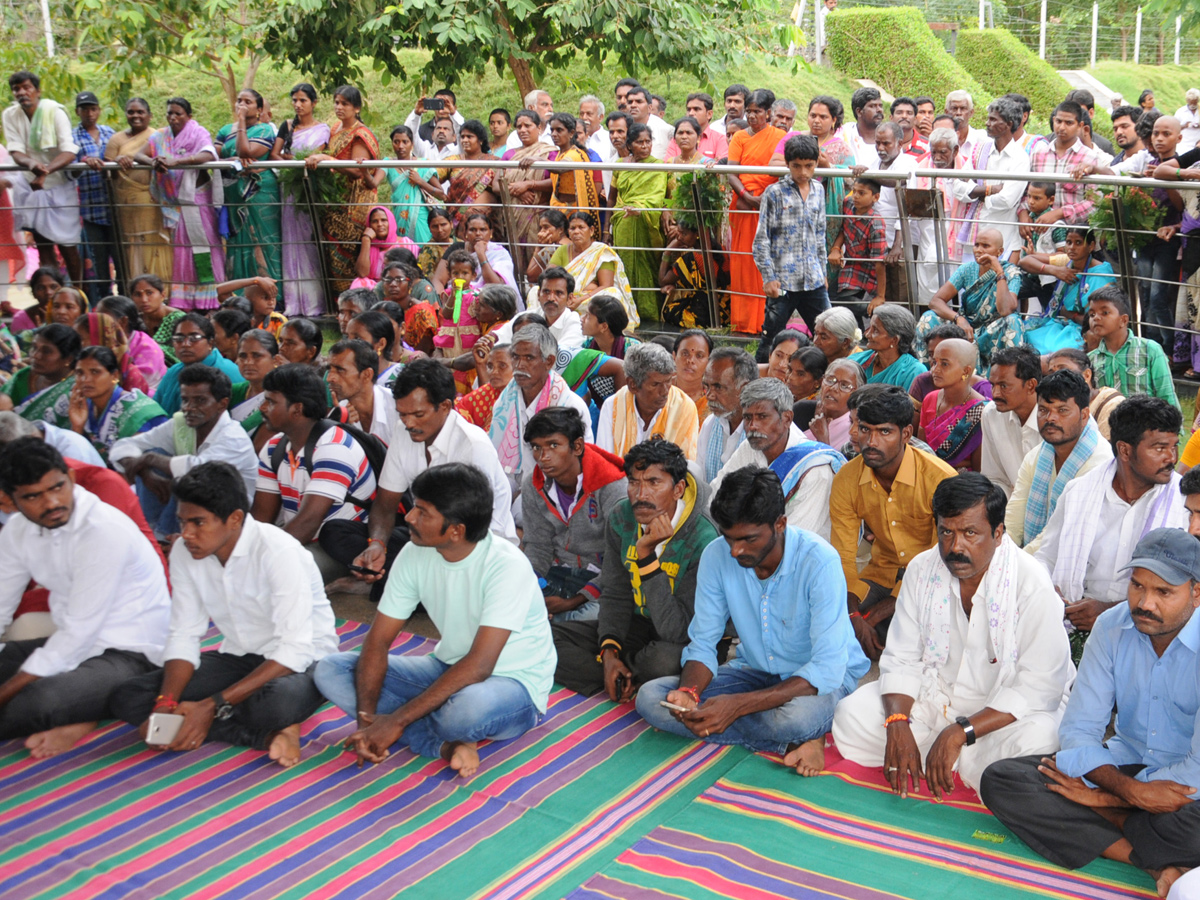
[(933, 221)]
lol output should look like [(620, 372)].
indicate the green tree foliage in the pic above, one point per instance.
[(59, 81), (527, 37), (895, 49), (1001, 63), (133, 40)]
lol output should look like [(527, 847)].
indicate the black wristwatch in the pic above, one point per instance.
[(969, 729), (224, 707)]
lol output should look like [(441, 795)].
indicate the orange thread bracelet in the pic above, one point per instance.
[(896, 717)]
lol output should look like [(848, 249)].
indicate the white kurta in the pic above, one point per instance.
[(1006, 440), (1014, 515), (1035, 693)]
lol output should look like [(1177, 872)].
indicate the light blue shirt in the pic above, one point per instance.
[(794, 624), (1157, 701)]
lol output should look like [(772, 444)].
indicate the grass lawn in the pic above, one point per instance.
[(1169, 83), (477, 95)]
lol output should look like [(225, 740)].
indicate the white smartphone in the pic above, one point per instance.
[(164, 727), (667, 704)]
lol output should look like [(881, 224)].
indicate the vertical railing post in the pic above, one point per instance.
[(1042, 33), (910, 260), (710, 269), (322, 258), (1125, 259), (1137, 37), (1095, 28), (1178, 27)]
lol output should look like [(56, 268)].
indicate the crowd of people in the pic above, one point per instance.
[(1004, 526)]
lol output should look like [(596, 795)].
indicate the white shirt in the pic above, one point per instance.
[(969, 680), (267, 600), (719, 125), (567, 328), (1006, 440), (808, 507), (227, 442), (69, 444), (423, 149), (887, 205), (458, 442), (107, 585), (16, 134), (975, 136), (663, 134), (601, 143), (604, 431), (999, 211), (865, 153), (1190, 124), (1120, 530), (716, 428), (1014, 514)]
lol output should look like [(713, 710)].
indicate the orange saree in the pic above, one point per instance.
[(747, 302)]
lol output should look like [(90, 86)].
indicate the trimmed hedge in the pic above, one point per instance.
[(895, 49), (1002, 63)]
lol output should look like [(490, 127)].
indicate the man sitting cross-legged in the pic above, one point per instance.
[(977, 666), (108, 599), (202, 431), (489, 677), (1132, 796), (1071, 447), (652, 546), (649, 404), (264, 593), (806, 468), (567, 501), (783, 589)]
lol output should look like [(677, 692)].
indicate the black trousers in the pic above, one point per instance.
[(276, 705), (81, 695), (578, 643), (1071, 835), (344, 540)]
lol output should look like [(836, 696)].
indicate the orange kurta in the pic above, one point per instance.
[(748, 303)]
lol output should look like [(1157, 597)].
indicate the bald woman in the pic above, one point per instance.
[(950, 414)]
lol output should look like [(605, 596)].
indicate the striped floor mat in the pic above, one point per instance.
[(589, 804)]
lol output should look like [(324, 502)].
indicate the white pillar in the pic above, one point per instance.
[(1095, 26), (49, 32), (1137, 37), (1042, 33), (1178, 26), (982, 4)]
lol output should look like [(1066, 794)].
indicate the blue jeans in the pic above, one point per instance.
[(771, 731), (161, 516), (496, 709), (779, 310), (1159, 260)]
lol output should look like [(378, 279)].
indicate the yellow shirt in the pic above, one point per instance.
[(901, 521)]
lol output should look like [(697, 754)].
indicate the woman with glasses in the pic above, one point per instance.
[(420, 318), (194, 341), (830, 417)]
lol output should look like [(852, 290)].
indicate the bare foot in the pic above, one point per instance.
[(1167, 877), (464, 759), (46, 744), (285, 746), (808, 759)]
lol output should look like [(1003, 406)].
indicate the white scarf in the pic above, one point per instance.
[(998, 590)]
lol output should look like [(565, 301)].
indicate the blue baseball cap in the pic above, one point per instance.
[(1170, 553)]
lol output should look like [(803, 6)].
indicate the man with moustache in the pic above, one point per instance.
[(866, 105), (430, 433), (976, 669), (805, 468), (552, 299), (782, 589), (1101, 516), (1071, 447), (729, 370), (652, 546), (888, 488), (1130, 796)]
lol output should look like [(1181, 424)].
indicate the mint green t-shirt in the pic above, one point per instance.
[(495, 587)]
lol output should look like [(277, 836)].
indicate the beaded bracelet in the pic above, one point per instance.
[(691, 692)]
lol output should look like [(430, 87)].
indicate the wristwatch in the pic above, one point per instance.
[(969, 729), (224, 707)]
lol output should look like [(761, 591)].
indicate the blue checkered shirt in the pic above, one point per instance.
[(789, 246), (93, 198)]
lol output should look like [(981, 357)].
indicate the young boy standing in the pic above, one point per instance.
[(1131, 364), (789, 246), (862, 245), (1037, 292)]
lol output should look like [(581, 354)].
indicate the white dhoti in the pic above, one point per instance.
[(861, 738), (929, 278), (52, 212)]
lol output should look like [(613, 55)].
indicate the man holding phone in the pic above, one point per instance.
[(784, 591), (263, 591)]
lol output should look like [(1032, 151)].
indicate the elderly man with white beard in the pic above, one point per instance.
[(729, 370)]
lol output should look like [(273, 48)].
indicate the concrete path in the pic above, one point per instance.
[(1078, 78)]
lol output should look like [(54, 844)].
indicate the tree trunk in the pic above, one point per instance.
[(521, 71), (252, 72)]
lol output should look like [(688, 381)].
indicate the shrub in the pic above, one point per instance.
[(1001, 63), (895, 49)]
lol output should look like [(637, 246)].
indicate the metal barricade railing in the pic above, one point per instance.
[(302, 202)]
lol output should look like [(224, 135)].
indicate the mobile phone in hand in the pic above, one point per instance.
[(362, 570), (667, 704), (164, 728), (432, 103)]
